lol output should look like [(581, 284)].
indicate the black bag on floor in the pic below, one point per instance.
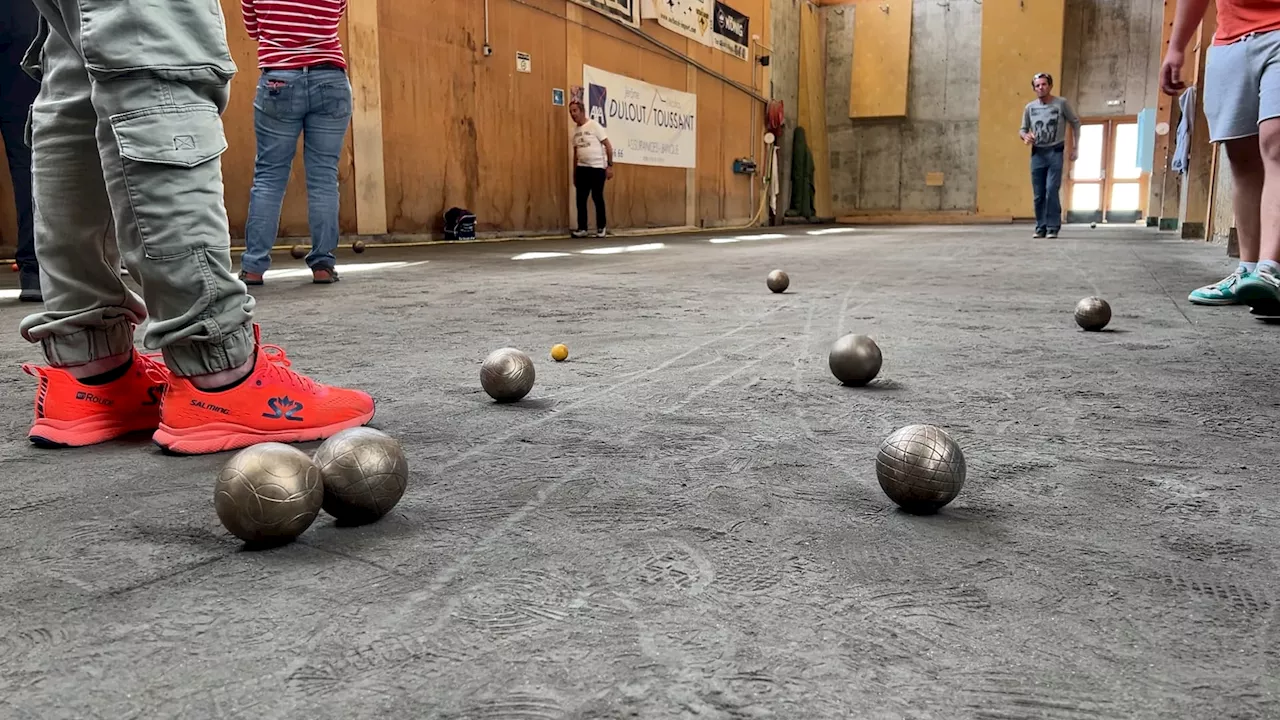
[(459, 224)]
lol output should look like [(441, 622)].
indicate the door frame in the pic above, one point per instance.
[(1109, 124)]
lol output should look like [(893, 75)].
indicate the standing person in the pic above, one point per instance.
[(19, 22), (1241, 98), (592, 166), (127, 129), (1044, 128), (302, 89)]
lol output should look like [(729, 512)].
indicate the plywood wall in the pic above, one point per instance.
[(460, 128), (1018, 40), (881, 59)]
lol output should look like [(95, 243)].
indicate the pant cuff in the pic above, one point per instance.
[(187, 359), (88, 345)]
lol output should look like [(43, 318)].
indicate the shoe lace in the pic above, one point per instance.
[(153, 367), (277, 367)]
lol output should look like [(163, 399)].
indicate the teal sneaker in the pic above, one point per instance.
[(1259, 290), (1222, 292)]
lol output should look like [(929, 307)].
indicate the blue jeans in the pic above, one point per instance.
[(1046, 185), (18, 27), (316, 103)]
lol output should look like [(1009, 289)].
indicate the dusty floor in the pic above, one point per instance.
[(683, 520)]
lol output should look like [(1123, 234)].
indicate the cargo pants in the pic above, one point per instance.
[(126, 134)]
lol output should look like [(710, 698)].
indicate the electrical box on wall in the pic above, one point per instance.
[(744, 166)]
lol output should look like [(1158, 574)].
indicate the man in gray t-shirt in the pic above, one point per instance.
[(1044, 128)]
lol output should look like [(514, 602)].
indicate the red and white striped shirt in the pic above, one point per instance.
[(295, 33)]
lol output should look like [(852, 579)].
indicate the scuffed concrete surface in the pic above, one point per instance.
[(683, 519)]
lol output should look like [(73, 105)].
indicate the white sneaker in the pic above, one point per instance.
[(602, 233)]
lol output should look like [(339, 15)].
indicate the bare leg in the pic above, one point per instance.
[(1269, 142), (1247, 174)]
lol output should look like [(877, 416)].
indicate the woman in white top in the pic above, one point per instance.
[(592, 165)]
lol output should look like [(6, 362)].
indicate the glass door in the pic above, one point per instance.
[(1087, 175), (1106, 183), (1127, 189)]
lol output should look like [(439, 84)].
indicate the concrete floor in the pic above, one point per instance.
[(683, 519)]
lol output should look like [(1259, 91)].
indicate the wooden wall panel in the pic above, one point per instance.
[(1018, 40), (364, 69), (881, 58), (522, 137), (736, 140), (429, 129), (237, 162), (710, 173)]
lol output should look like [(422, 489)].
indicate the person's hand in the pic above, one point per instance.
[(1027, 138), (608, 173), (1171, 73), (1075, 154)]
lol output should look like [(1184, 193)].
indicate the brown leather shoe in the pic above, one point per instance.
[(324, 276), (249, 278)]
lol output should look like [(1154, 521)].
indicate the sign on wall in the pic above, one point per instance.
[(731, 31), (624, 11), (690, 18), (648, 124), (709, 22)]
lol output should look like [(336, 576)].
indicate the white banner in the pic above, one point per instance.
[(690, 18), (647, 124), (624, 11)]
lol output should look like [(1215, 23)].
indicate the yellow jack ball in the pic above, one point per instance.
[(559, 353)]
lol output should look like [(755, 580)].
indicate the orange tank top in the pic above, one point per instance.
[(1237, 18)]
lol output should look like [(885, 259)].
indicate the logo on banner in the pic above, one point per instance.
[(624, 11), (732, 30), (598, 97), (730, 25)]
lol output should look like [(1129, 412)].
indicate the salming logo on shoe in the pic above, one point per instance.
[(154, 393), (209, 407), (284, 408), (90, 397)]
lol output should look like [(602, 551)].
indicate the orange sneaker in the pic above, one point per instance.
[(273, 404), (72, 414)]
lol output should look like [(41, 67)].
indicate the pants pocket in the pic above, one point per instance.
[(336, 96), (182, 40), (174, 185), (33, 58), (280, 97)]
